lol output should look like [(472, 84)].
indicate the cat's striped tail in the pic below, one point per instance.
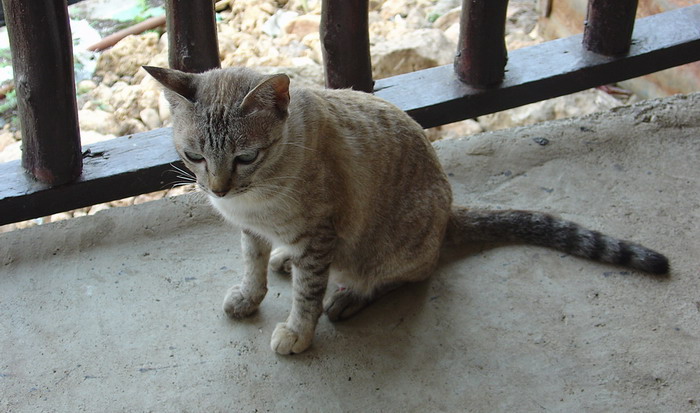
[(545, 230)]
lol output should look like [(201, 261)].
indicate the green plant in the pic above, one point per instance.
[(139, 12), (5, 54)]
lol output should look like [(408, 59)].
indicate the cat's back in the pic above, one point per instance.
[(358, 118), (379, 155)]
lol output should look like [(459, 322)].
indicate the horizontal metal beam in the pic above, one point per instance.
[(559, 67), (140, 163), (113, 169)]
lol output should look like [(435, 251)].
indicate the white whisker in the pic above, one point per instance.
[(182, 172), (179, 184), (281, 194), (281, 188), (299, 145)]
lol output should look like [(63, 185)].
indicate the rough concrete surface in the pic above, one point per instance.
[(121, 311)]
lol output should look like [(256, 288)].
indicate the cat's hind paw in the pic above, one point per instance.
[(239, 305), (287, 341), (343, 303), (280, 261)]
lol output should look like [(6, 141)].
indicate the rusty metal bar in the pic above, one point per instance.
[(608, 27), (42, 60), (345, 44), (192, 41), (481, 52)]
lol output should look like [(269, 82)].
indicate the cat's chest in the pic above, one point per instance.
[(267, 219)]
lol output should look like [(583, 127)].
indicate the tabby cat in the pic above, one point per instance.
[(345, 187)]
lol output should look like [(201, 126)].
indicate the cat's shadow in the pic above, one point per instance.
[(399, 314), (387, 325), (406, 305)]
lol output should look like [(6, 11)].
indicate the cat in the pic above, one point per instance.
[(345, 187)]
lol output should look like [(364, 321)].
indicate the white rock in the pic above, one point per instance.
[(150, 118), (443, 7), (446, 21), (127, 56), (11, 152), (131, 126), (59, 217), (412, 51), (313, 42), (88, 137), (452, 33), (393, 8), (99, 121), (85, 86), (302, 25), (454, 130), (180, 190), (274, 24), (97, 208), (101, 94), (128, 100), (577, 104), (163, 42), (163, 108), (7, 138)]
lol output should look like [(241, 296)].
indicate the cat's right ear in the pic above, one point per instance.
[(183, 84), (270, 94)]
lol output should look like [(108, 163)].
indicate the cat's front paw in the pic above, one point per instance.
[(287, 341), (237, 304)]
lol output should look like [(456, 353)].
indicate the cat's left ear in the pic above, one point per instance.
[(179, 82), (270, 94)]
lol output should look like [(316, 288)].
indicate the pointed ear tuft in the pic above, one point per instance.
[(270, 94), (179, 82)]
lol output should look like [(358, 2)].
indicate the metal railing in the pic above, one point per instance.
[(57, 174)]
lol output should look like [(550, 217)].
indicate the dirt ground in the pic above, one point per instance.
[(120, 311)]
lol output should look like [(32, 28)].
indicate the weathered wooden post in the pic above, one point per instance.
[(609, 25), (192, 40), (42, 60), (481, 52), (345, 44)]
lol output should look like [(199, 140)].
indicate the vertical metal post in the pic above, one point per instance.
[(608, 27), (192, 41), (481, 52), (42, 60), (345, 44)]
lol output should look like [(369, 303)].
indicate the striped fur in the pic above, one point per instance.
[(545, 230), (341, 187)]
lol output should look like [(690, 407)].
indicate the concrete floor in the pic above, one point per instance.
[(121, 311)]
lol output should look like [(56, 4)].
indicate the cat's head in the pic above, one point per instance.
[(226, 123)]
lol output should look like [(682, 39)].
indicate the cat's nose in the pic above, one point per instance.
[(220, 194)]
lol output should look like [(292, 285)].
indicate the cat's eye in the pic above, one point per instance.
[(246, 158), (193, 157)]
